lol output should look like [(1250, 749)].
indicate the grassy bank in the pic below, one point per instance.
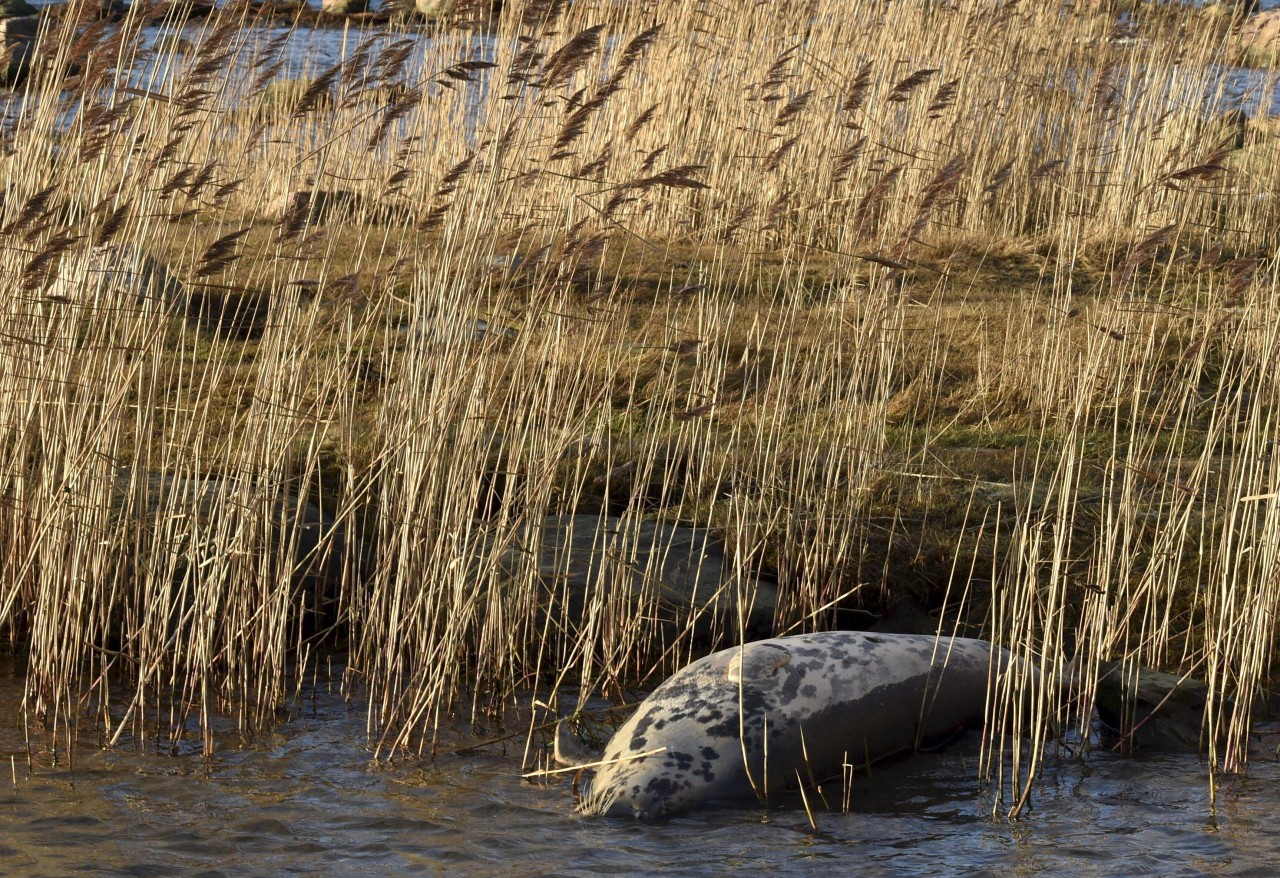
[(964, 310)]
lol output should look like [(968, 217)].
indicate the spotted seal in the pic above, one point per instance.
[(763, 716)]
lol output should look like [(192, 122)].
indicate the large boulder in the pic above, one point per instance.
[(17, 35), (680, 577), (128, 279), (1150, 709), (195, 518), (433, 9), (112, 274), (1258, 39), (344, 7)]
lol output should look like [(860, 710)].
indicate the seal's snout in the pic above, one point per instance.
[(569, 750)]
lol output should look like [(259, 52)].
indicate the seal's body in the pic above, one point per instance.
[(779, 712)]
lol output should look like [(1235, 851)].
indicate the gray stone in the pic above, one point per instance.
[(344, 7), (126, 278), (112, 275), (315, 205), (17, 35), (195, 514), (1258, 38), (678, 575), (1150, 709), (433, 8)]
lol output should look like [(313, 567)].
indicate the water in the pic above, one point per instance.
[(307, 51), (308, 800)]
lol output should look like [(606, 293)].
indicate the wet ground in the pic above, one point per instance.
[(310, 801)]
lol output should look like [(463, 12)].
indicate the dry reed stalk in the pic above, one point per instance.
[(589, 143)]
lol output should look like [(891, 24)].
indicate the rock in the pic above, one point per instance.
[(239, 313), (1150, 709), (1240, 10), (344, 7), (124, 277), (10, 8), (191, 518), (1216, 14), (433, 8), (678, 575), (97, 10), (1258, 40), (17, 35), (1232, 127), (314, 205), (114, 275)]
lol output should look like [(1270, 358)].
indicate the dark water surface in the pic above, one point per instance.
[(309, 801)]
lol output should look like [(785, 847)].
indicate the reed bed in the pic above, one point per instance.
[(966, 306)]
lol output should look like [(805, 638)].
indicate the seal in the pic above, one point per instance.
[(777, 713)]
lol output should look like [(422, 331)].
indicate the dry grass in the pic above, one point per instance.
[(968, 306)]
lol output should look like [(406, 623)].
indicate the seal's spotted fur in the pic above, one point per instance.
[(837, 697)]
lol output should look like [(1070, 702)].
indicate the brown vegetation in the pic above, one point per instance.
[(965, 306)]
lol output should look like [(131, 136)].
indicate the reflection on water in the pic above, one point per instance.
[(308, 802), (307, 51)]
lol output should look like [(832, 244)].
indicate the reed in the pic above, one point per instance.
[(904, 301)]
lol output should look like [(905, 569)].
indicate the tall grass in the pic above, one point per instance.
[(797, 266)]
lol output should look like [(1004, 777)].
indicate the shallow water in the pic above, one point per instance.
[(307, 52), (309, 801)]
